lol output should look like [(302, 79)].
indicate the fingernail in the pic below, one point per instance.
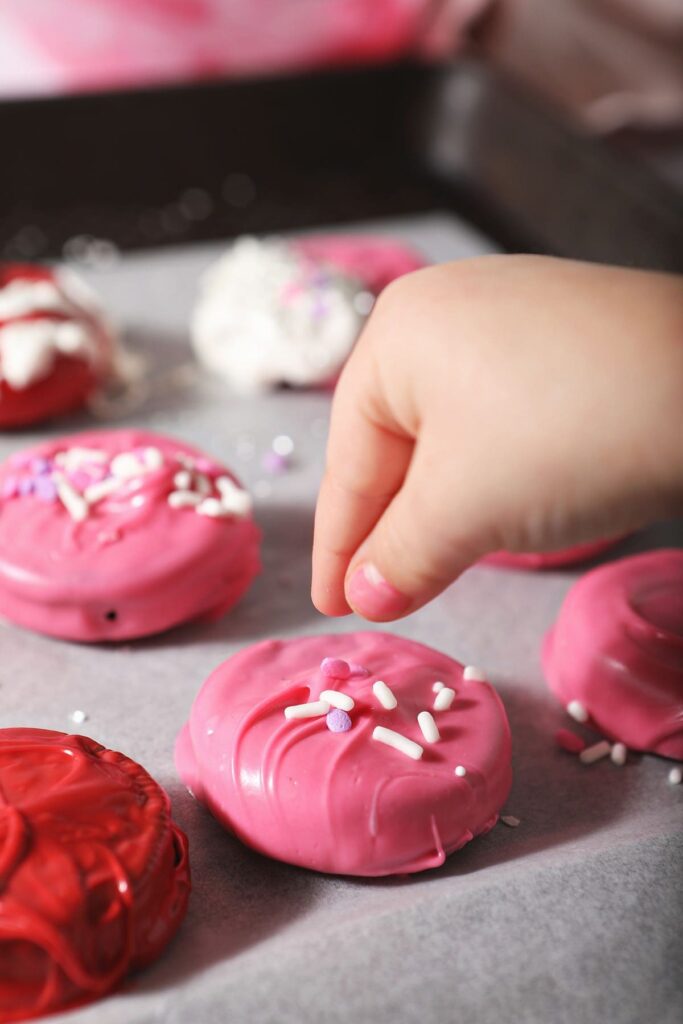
[(373, 597)]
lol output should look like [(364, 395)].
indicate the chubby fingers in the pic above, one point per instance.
[(368, 454)]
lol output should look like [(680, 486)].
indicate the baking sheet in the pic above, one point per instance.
[(574, 916)]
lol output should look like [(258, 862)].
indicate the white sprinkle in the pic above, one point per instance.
[(153, 458), (185, 460), (428, 727), (384, 695), (595, 753), (461, 771), (675, 777), (444, 699), (78, 717), (363, 302), (338, 700), (509, 820), (74, 457), (283, 445), (137, 501), (474, 673), (183, 499), (76, 506), (95, 492), (126, 465), (203, 484), (438, 686), (578, 712), (314, 709), (618, 754), (212, 507), (397, 741), (236, 501), (183, 480)]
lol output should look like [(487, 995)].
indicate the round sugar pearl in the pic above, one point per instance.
[(335, 668), (338, 720)]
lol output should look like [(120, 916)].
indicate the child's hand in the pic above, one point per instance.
[(507, 402)]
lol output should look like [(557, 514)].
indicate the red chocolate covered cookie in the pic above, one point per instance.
[(94, 876)]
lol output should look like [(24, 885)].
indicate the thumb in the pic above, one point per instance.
[(424, 540)]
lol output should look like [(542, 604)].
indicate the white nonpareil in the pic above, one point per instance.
[(267, 315)]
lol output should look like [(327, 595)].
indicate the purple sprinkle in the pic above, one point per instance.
[(26, 486), (338, 720), (45, 489), (40, 466), (335, 668), (274, 463), (10, 488)]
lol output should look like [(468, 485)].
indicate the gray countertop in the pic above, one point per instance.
[(574, 916)]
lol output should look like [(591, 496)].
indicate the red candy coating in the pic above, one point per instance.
[(94, 876)]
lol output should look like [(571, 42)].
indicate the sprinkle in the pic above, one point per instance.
[(438, 686), (236, 502), (314, 709), (274, 463), (78, 717), (461, 771), (618, 754), (335, 668), (101, 489), (126, 465), (595, 753), (183, 480), (475, 674), (137, 501), (153, 458), (337, 720), (428, 727), (397, 741), (444, 699), (569, 741), (358, 670), (183, 499), (384, 695), (40, 466), (26, 486), (363, 302), (45, 489), (213, 508), (510, 820), (73, 502), (578, 712), (185, 460), (10, 487), (79, 479), (675, 777), (283, 445), (338, 700)]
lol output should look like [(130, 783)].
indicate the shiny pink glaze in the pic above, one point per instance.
[(549, 559), (374, 260), (617, 648), (94, 876), (343, 802), (135, 566)]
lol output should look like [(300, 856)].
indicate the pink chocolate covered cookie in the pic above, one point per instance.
[(110, 535), (55, 344), (359, 754), (615, 654)]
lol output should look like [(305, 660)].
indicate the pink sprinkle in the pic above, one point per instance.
[(358, 670), (274, 463), (10, 487), (20, 460), (569, 741), (96, 471), (335, 668)]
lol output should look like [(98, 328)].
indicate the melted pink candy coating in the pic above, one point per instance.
[(375, 260), (152, 565), (617, 648), (343, 802)]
